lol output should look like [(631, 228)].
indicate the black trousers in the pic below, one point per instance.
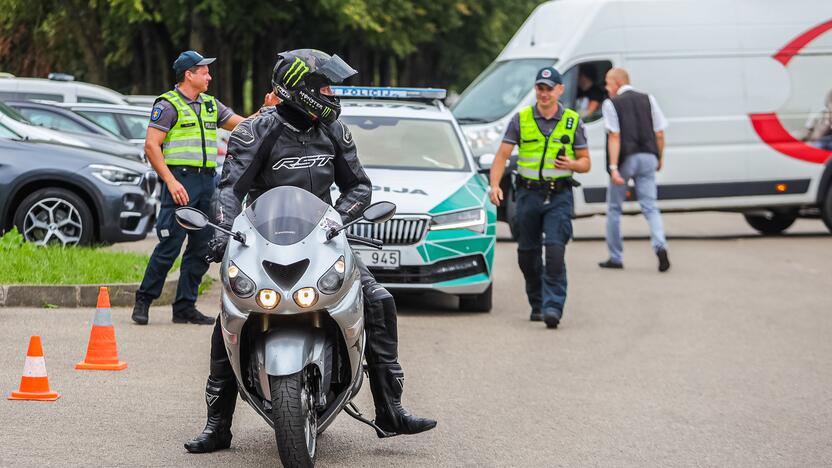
[(171, 235), (379, 319)]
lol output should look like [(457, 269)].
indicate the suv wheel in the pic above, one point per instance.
[(54, 216), (774, 223), (476, 302)]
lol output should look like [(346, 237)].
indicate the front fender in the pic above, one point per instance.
[(290, 350)]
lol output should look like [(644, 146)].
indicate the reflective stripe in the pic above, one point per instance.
[(34, 366), (187, 143), (102, 318)]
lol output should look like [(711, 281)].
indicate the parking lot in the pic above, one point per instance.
[(721, 362)]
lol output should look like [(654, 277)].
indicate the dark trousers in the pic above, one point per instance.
[(200, 188), (543, 219)]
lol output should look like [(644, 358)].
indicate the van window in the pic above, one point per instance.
[(585, 90), (498, 90), (41, 97), (103, 119)]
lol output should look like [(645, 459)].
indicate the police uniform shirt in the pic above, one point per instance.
[(164, 115), (546, 126)]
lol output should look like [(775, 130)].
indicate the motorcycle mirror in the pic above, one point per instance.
[(191, 218), (380, 212)]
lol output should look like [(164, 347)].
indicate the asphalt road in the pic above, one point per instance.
[(724, 361)]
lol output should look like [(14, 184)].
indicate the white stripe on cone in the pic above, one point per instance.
[(34, 367)]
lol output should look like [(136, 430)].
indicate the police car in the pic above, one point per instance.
[(444, 233)]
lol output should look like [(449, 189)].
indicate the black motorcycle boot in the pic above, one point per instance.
[(221, 397), (141, 311), (387, 384)]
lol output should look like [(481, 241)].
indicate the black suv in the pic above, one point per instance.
[(56, 194)]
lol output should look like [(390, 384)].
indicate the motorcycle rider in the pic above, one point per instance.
[(302, 143)]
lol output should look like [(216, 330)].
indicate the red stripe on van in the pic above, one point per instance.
[(794, 47), (771, 130)]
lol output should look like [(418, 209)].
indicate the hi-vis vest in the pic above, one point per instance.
[(192, 141), (536, 153)]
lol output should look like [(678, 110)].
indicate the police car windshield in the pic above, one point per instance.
[(498, 90), (286, 215), (402, 143)]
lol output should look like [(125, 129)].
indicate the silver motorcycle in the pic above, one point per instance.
[(292, 313)]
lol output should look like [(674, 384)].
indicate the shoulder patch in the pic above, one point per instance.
[(346, 131), (244, 133), (156, 113)]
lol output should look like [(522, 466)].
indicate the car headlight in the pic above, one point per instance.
[(468, 219), (115, 175), (332, 280), (306, 297), (241, 284), (484, 139)]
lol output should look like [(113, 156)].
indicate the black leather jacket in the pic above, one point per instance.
[(279, 147)]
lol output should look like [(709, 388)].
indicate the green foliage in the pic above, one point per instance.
[(25, 263), (129, 44)]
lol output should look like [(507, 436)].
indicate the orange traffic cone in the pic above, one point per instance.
[(34, 385), (101, 352)]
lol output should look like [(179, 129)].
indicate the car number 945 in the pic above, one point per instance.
[(379, 258)]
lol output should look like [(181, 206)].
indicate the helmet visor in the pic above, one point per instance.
[(336, 70)]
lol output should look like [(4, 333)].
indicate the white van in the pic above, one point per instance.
[(743, 83), (28, 89)]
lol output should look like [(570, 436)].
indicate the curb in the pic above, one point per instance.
[(82, 295)]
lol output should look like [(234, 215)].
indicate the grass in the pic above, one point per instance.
[(24, 263)]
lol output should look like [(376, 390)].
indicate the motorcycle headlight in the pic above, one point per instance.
[(241, 284), (115, 175), (468, 219), (306, 297), (332, 280), (268, 299)]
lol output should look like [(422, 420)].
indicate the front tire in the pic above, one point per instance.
[(476, 302), (771, 225), (295, 419)]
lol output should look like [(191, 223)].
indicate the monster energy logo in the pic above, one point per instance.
[(297, 71), (326, 112)]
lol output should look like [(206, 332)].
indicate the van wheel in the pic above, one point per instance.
[(826, 209), (476, 302), (773, 224), (54, 216)]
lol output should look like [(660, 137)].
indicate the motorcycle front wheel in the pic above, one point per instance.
[(295, 419)]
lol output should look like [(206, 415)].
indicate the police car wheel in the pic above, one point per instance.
[(772, 224), (476, 302)]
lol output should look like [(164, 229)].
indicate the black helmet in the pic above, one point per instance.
[(300, 74)]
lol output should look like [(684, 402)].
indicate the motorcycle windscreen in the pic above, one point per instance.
[(286, 215)]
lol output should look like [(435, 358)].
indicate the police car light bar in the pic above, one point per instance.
[(388, 93)]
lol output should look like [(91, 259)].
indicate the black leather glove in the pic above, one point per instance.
[(216, 249)]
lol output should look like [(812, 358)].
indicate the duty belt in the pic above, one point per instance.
[(557, 185), (194, 169)]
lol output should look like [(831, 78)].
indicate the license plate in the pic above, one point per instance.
[(379, 258)]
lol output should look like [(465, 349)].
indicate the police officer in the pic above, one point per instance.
[(276, 149), (181, 145), (552, 146)]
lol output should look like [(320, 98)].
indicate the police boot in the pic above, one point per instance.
[(221, 397), (387, 384)]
